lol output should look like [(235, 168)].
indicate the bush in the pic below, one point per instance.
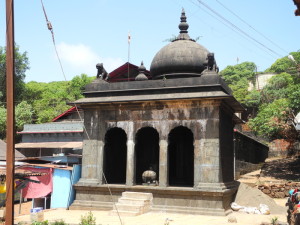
[(88, 219), (45, 222), (59, 222)]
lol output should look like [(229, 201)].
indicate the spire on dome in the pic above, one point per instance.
[(183, 27)]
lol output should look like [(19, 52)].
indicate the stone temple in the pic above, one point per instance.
[(178, 123)]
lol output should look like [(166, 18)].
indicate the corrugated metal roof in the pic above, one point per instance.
[(74, 144), (53, 127), (18, 155)]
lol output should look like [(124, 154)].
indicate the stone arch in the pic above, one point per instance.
[(115, 156), (146, 151), (181, 157)]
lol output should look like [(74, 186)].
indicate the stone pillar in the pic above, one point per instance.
[(198, 145), (207, 161), (130, 168), (92, 160), (163, 163), (210, 161)]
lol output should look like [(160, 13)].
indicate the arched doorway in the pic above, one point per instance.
[(147, 152), (181, 157), (115, 156)]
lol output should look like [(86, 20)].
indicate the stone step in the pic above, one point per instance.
[(191, 210), (134, 201), (137, 195), (133, 204), (133, 208), (90, 205), (123, 213)]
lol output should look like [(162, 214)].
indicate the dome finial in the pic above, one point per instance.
[(183, 27), (141, 75)]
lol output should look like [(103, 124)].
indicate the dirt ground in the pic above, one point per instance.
[(282, 169), (23, 209), (273, 170)]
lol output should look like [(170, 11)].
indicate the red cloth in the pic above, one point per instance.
[(38, 190)]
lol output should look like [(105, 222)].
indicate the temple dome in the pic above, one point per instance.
[(181, 58)]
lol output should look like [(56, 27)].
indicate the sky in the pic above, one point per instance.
[(93, 31)]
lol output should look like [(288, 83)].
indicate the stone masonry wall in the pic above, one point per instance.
[(280, 147), (278, 190)]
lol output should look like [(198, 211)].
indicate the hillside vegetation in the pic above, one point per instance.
[(271, 109)]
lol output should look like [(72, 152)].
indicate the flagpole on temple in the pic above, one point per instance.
[(129, 37), (10, 131)]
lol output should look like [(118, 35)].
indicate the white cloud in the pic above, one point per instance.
[(81, 59)]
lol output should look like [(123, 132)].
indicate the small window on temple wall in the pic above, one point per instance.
[(115, 156), (147, 152), (181, 157)]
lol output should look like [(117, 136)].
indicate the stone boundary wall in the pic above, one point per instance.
[(248, 149), (283, 148), (280, 190), (245, 167)]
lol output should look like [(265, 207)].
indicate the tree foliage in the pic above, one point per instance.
[(238, 78), (285, 64), (275, 104), (277, 88), (272, 120), (2, 122), (21, 65), (233, 74), (50, 99), (279, 100), (23, 115), (78, 83)]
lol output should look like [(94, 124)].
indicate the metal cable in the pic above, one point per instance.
[(49, 25), (50, 28), (237, 28), (251, 26)]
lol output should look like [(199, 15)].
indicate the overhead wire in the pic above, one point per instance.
[(231, 28), (269, 56), (194, 14), (264, 36), (50, 28), (237, 28)]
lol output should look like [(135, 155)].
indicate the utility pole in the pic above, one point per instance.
[(10, 132)]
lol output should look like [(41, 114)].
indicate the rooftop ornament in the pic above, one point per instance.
[(101, 72), (182, 58), (183, 27), (141, 76)]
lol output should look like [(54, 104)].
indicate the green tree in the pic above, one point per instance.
[(233, 74), (240, 89), (21, 65), (34, 90), (23, 114), (2, 122), (253, 99), (294, 97), (238, 78), (50, 99), (277, 87), (77, 85), (271, 120), (285, 64)]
